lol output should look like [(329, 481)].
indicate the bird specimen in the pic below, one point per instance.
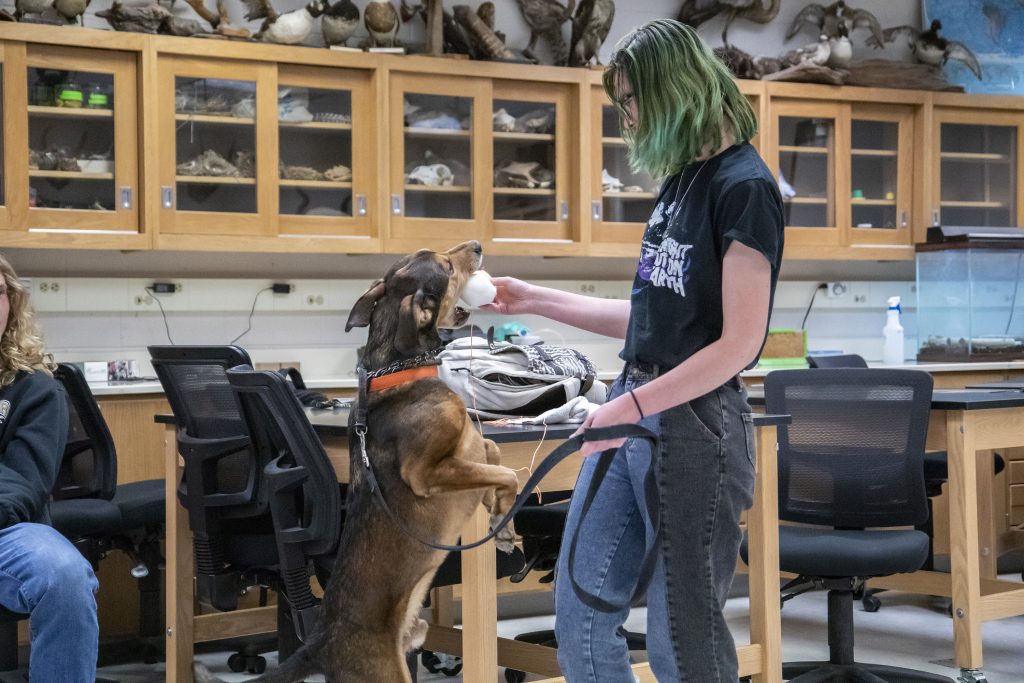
[(931, 48), (381, 19), (72, 10), (219, 20), (289, 28), (23, 7), (815, 53), (696, 12), (590, 27), (840, 49), (339, 22), (138, 18), (545, 19), (826, 20)]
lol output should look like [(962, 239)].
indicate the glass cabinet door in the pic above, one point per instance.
[(82, 140), (212, 147), (627, 198), (806, 135), (977, 162), (531, 177), (880, 183), (437, 159), (323, 131)]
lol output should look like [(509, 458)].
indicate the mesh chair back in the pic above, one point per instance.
[(89, 466), (853, 455), (850, 360)]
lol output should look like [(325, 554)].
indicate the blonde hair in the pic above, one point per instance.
[(21, 346)]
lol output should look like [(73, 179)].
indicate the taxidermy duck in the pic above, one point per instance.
[(815, 53), (696, 12), (840, 50), (827, 20), (590, 27), (545, 19), (931, 48), (72, 10), (23, 7), (289, 28), (381, 19), (339, 22)]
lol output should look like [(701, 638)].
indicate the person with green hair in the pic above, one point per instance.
[(697, 316)]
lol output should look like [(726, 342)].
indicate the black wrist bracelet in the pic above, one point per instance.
[(637, 402)]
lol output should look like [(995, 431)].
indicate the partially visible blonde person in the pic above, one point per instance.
[(41, 573)]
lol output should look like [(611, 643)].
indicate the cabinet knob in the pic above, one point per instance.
[(126, 197), (935, 217), (596, 209), (396, 204), (563, 210), (903, 219), (360, 204), (167, 197)]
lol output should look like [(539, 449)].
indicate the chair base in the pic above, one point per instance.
[(819, 672)]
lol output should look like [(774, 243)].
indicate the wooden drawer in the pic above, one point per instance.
[(1016, 472), (1017, 495), (1017, 515)]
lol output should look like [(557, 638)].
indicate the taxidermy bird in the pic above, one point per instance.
[(289, 28), (815, 53), (590, 27), (381, 19), (840, 49), (23, 7), (72, 10), (339, 22), (827, 20), (696, 12), (931, 48), (545, 19)]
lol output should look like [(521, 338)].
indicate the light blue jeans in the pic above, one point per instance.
[(705, 473), (44, 576)]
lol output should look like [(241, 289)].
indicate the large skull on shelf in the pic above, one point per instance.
[(430, 174), (526, 174)]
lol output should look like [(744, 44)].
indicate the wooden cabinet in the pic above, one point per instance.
[(71, 157)]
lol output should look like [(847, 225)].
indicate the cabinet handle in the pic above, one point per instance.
[(126, 197), (360, 204), (167, 196), (396, 204), (935, 217), (903, 219), (563, 210), (596, 208)]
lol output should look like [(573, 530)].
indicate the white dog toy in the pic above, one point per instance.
[(479, 290)]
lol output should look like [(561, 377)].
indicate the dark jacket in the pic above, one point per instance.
[(33, 431)]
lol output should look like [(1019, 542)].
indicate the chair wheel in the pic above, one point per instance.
[(237, 663), (442, 663), (514, 676), (871, 603), (258, 665)]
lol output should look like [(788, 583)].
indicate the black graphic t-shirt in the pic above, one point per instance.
[(676, 303)]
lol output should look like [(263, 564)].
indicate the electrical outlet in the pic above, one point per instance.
[(836, 290)]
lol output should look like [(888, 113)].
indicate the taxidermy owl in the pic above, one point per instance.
[(590, 27), (545, 19)]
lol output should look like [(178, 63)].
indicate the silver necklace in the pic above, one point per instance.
[(679, 204)]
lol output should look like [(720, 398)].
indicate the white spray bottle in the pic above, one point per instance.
[(892, 347)]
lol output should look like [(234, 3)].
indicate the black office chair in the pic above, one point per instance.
[(97, 515), (850, 463), (936, 473), (228, 509)]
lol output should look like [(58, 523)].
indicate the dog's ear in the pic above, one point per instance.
[(363, 307), (416, 313)]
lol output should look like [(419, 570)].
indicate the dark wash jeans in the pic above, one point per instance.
[(705, 471)]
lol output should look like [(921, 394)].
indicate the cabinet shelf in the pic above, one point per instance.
[(226, 119), (314, 125), (806, 200), (436, 133), (974, 205), (214, 180), (316, 184), (873, 152), (70, 175), (523, 137), (528, 191), (629, 195), (799, 149), (974, 156), (617, 142), (873, 202), (70, 113), (463, 189)]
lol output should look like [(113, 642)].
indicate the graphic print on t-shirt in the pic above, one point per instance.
[(664, 262)]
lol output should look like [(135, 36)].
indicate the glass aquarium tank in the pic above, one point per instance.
[(970, 300)]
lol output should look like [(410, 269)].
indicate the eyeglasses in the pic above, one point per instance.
[(624, 101)]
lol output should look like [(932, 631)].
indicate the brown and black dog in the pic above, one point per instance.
[(433, 466)]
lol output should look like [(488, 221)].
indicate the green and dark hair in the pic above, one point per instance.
[(685, 96)]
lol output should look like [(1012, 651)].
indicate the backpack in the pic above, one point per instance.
[(499, 379)]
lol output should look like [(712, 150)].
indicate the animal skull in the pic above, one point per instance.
[(528, 174), (503, 121), (432, 174), (610, 183)]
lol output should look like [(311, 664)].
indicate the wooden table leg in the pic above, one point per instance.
[(177, 571), (963, 541), (763, 553), (479, 604), (986, 514)]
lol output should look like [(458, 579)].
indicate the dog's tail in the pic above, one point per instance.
[(294, 670)]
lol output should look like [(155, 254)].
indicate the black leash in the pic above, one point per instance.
[(564, 450)]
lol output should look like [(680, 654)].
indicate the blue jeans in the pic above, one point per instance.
[(44, 576), (705, 472)]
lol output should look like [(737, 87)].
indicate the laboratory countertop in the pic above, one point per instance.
[(153, 387)]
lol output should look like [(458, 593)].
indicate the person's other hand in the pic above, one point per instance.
[(619, 411), (513, 296)]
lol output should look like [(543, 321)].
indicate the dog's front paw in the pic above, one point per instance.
[(506, 538), (415, 636)]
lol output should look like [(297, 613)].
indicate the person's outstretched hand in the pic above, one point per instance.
[(618, 411), (512, 297)]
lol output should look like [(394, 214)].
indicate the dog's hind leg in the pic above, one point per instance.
[(506, 538)]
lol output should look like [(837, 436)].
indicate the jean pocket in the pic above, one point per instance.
[(748, 434), (704, 425)]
